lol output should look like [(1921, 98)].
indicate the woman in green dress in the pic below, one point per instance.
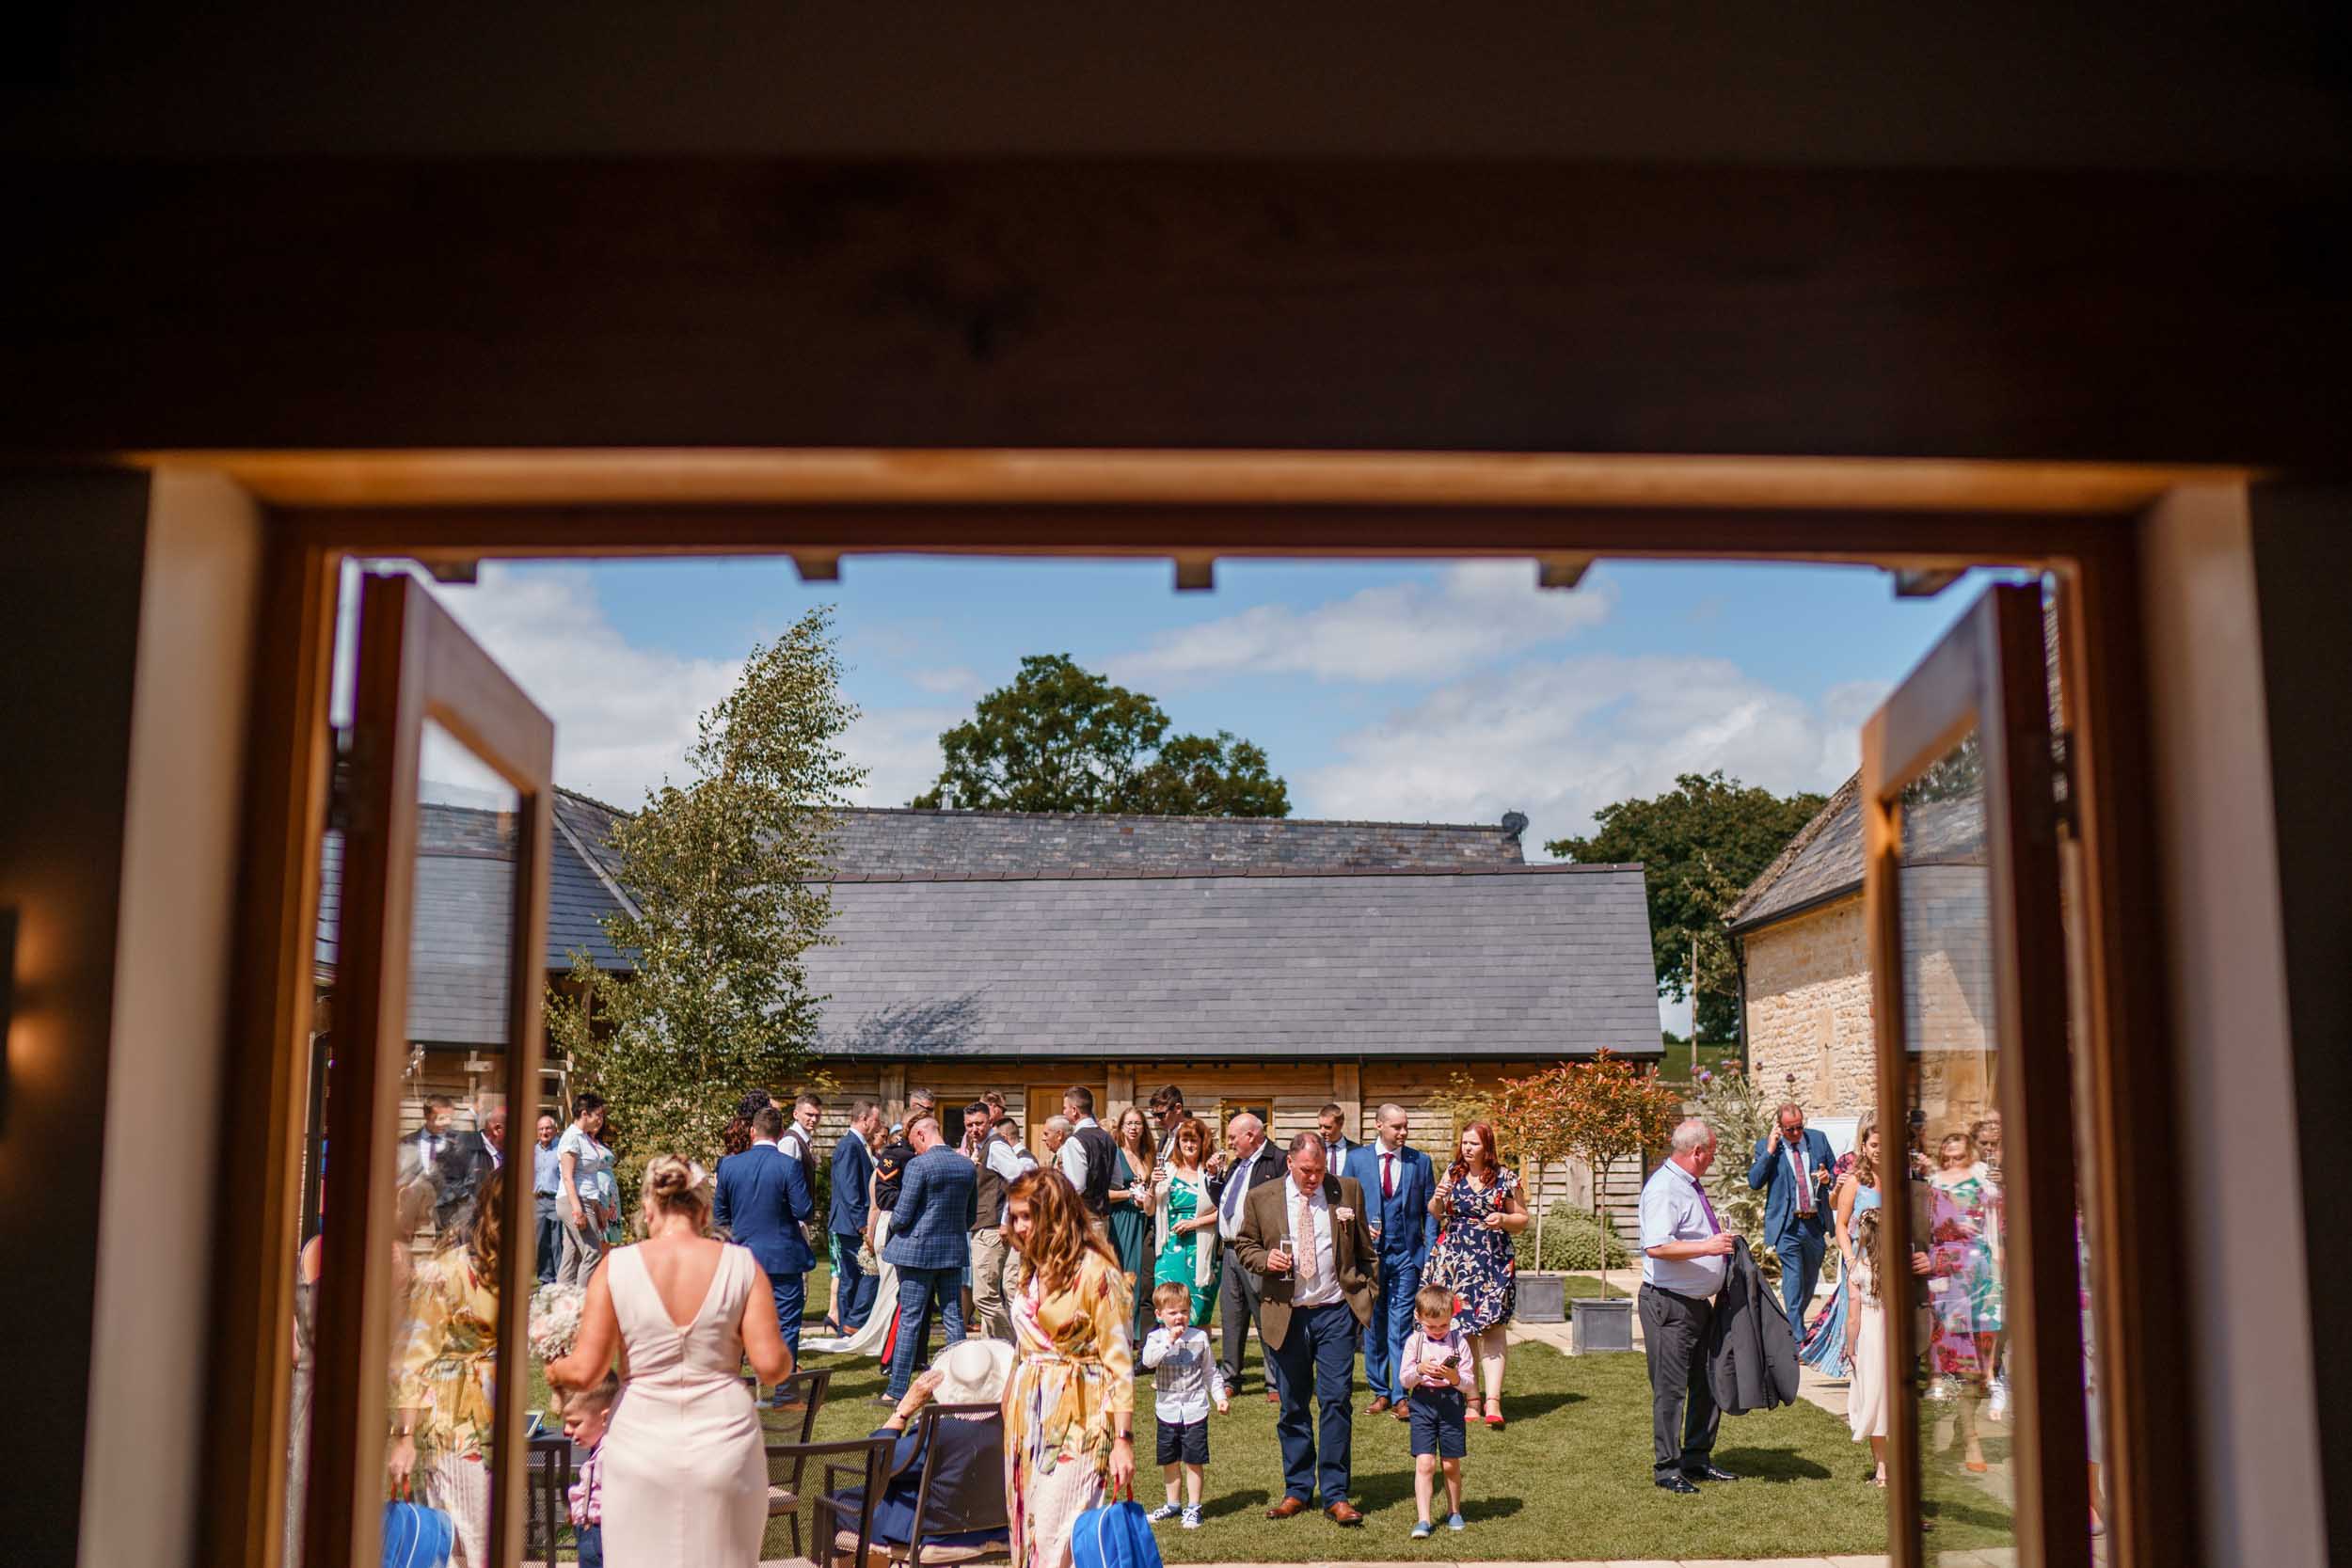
[(1131, 1212), (1187, 1220)]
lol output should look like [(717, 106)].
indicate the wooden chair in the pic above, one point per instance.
[(796, 1421), (978, 1505)]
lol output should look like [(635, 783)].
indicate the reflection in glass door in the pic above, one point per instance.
[(1975, 1251)]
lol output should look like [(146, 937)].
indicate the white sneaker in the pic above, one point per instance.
[(1162, 1514), (1192, 1516)]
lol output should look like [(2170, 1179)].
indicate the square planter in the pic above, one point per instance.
[(1542, 1298), (1601, 1325)]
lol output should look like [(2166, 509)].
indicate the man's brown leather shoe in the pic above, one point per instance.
[(1289, 1508), (1344, 1512), (1378, 1405)]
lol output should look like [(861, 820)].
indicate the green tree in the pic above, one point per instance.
[(723, 909), (1063, 739), (1702, 843), (1604, 1111)]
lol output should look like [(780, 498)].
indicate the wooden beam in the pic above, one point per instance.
[(1377, 306)]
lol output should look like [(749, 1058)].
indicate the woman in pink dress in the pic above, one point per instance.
[(685, 1471)]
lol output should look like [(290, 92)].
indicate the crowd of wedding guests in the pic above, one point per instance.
[(1057, 1276)]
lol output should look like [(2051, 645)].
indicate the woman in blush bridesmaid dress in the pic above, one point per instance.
[(685, 1472)]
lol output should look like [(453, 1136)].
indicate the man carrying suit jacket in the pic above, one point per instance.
[(1398, 1182), (1793, 1168), (853, 1169), (1313, 1248), (764, 1201), (928, 1245), (1254, 1162)]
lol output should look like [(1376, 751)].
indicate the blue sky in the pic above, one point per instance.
[(1422, 692)]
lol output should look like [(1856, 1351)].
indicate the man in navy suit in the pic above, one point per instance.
[(928, 1245), (764, 1201), (852, 1170), (1793, 1169), (1398, 1182)]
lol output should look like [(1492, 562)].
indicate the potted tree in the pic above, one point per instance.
[(1607, 1110), (1527, 1120)]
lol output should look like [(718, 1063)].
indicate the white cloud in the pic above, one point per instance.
[(900, 750), (624, 713), (1475, 612), (952, 680), (1560, 739)]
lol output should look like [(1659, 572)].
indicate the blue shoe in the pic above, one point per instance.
[(1421, 1531), (1455, 1522)]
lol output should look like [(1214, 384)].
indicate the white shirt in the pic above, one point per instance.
[(1073, 1159), (1001, 1158), (1674, 1210), (1325, 1289), (1185, 1376), (1805, 1178), (793, 1143), (1236, 1193)]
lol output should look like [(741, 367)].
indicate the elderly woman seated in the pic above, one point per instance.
[(967, 1474)]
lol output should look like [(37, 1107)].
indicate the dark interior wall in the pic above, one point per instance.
[(2302, 540), (2094, 84), (75, 548)]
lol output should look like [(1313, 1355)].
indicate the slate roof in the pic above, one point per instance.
[(1541, 961), (1823, 862), (874, 841), (464, 909)]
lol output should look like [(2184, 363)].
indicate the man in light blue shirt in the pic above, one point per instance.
[(547, 1183), (1683, 1248)]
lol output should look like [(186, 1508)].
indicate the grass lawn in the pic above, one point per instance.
[(1570, 1477)]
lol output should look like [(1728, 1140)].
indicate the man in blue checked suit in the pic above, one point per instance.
[(763, 1202), (1793, 1168), (1398, 1182), (930, 1243)]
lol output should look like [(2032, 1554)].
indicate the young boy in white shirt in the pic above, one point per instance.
[(1184, 1382), (1435, 1370)]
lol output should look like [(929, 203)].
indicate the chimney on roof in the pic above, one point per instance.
[(1515, 822)]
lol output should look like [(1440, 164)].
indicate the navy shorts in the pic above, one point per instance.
[(1439, 1421), (1187, 1444)]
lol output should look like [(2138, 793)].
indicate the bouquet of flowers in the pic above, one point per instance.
[(555, 1320)]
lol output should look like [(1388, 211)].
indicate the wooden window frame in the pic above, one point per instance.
[(2140, 1291)]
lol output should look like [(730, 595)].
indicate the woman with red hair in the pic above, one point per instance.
[(1477, 1253)]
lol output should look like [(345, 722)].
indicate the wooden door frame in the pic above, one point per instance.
[(1989, 677), (2141, 1324)]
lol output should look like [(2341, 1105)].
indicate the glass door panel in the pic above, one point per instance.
[(1978, 1240), (408, 1375)]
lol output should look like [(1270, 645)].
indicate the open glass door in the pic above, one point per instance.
[(1979, 1228), (411, 1364)]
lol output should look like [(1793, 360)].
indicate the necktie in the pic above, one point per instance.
[(1387, 1175), (1303, 1223), (1804, 1188), (1235, 1185), (1713, 1225)]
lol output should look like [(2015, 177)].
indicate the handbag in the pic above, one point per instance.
[(416, 1536)]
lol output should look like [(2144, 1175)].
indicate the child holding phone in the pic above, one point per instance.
[(1436, 1371)]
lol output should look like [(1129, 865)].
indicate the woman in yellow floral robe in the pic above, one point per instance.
[(1069, 1408), (442, 1371)]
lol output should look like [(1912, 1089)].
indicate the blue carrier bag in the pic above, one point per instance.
[(1116, 1535)]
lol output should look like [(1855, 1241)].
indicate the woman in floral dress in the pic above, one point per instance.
[(441, 1376), (1477, 1252), (1965, 1283), (1186, 1229), (1070, 1410), (1829, 1346)]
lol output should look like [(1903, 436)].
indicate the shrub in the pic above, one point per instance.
[(1571, 1240)]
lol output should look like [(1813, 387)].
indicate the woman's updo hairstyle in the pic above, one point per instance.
[(676, 1185)]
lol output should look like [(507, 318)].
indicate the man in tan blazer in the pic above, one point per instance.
[(1307, 1236)]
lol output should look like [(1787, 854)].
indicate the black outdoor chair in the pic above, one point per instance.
[(805, 1393), (978, 1504), (862, 1460)]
